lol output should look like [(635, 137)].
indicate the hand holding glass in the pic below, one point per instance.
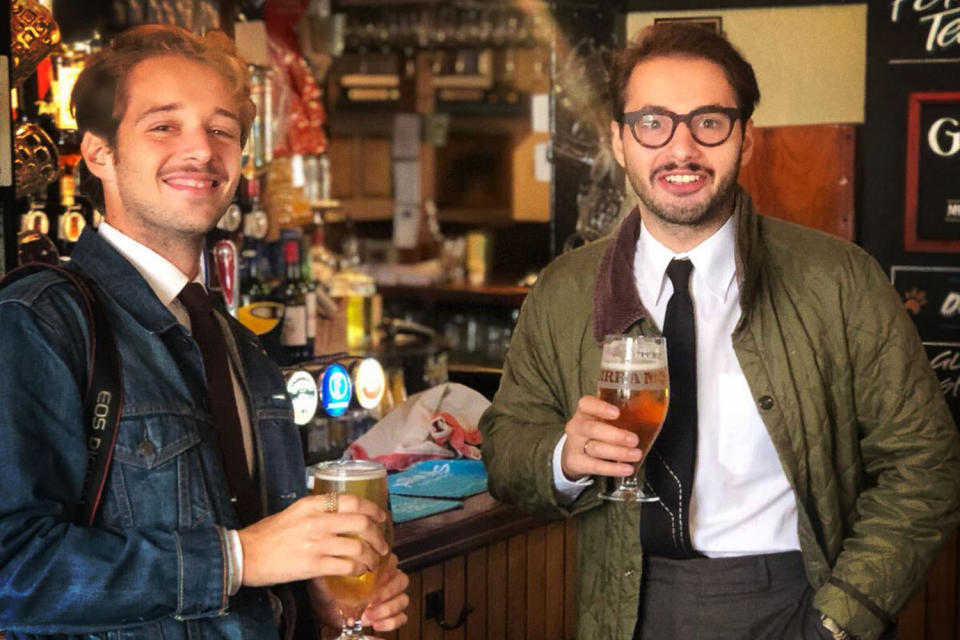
[(633, 377), (364, 479)]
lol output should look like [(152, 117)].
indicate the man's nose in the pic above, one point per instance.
[(683, 145), (196, 144)]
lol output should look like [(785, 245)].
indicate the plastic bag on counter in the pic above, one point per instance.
[(440, 422)]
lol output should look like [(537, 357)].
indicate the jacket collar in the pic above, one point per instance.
[(121, 281), (616, 302)]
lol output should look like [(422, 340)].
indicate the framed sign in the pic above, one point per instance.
[(932, 207), (712, 23), (931, 297)]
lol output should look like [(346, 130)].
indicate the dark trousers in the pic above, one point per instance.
[(763, 597)]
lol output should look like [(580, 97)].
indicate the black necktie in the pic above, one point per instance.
[(665, 525), (223, 403)]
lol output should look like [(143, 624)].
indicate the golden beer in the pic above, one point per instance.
[(633, 377), (364, 479), (641, 395)]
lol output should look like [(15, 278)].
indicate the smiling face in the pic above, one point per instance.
[(685, 188), (176, 161)]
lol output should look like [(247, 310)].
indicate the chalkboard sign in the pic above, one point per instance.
[(913, 78), (945, 359), (931, 296)]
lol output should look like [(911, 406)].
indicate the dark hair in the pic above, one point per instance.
[(99, 97), (683, 40)]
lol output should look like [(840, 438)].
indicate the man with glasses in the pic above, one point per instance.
[(808, 470)]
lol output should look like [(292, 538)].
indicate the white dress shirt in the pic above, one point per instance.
[(742, 503), (167, 281)]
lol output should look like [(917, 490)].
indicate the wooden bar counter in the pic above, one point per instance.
[(488, 570)]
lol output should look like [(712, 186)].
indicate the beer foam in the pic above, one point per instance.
[(334, 476)]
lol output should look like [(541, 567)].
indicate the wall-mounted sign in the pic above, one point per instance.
[(932, 212), (930, 29), (945, 360), (931, 296)]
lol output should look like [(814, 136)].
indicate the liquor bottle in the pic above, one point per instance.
[(309, 289), (294, 342), (253, 288)]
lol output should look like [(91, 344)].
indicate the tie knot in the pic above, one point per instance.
[(679, 273), (194, 298)]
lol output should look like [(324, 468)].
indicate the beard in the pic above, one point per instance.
[(694, 214)]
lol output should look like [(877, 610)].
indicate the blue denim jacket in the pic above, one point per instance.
[(154, 563)]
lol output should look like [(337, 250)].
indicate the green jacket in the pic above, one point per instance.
[(842, 384)]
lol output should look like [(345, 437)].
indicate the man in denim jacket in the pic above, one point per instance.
[(164, 115)]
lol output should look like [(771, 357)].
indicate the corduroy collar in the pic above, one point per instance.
[(616, 302)]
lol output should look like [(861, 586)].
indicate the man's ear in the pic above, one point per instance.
[(98, 156), (746, 148), (616, 141)]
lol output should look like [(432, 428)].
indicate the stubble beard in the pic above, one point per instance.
[(694, 214), (165, 221)]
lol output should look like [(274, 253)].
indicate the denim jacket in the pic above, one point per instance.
[(154, 564)]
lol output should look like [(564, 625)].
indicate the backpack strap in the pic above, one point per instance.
[(103, 397)]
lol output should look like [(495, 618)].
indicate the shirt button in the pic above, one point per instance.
[(146, 449), (765, 402), (628, 573)]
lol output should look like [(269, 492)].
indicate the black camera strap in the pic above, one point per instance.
[(103, 397)]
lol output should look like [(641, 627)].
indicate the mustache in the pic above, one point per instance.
[(208, 170), (676, 166)]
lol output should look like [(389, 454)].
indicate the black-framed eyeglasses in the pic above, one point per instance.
[(654, 127)]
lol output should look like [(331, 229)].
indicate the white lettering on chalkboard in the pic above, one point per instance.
[(951, 305), (942, 18)]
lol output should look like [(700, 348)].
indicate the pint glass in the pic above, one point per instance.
[(633, 377), (365, 479)]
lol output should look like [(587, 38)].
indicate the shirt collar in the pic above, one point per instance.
[(714, 265), (166, 280)]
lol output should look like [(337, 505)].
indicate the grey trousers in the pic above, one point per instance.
[(763, 597)]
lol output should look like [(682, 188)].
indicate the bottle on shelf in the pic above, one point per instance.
[(296, 345)]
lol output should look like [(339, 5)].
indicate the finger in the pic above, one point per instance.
[(604, 451), (352, 524), (379, 616), (594, 407), (347, 503), (608, 433)]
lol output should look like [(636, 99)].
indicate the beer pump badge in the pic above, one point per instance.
[(335, 390), (370, 383), (302, 389)]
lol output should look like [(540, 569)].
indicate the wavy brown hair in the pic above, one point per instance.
[(99, 97), (683, 40)]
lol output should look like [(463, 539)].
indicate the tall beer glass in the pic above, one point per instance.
[(633, 377), (365, 479)]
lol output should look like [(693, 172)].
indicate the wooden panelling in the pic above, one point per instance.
[(477, 594), (374, 168), (516, 584), (570, 579), (536, 583), (411, 630), (454, 593), (518, 587), (805, 174), (496, 590), (932, 613), (432, 580), (554, 581)]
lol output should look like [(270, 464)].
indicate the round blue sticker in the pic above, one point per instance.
[(335, 390)]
